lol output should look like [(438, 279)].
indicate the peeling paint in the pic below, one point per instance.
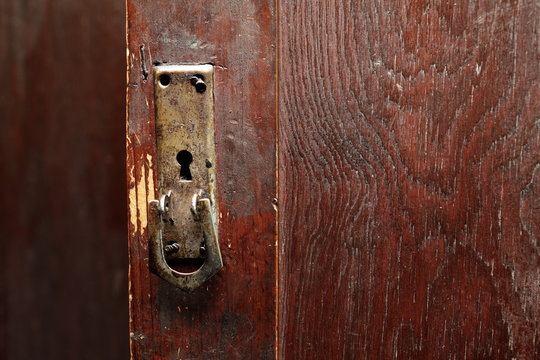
[(141, 201), (150, 175), (132, 200)]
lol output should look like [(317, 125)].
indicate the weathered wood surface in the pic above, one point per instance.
[(409, 180), (63, 261), (233, 315)]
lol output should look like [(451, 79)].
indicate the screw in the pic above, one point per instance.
[(198, 82), (172, 248), (202, 250)]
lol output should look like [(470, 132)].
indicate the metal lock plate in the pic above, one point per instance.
[(183, 221), (185, 150)]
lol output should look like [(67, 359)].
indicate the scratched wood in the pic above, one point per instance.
[(409, 180), (232, 316), (63, 258)]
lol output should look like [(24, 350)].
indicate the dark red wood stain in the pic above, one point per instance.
[(409, 175), (232, 316), (63, 261)]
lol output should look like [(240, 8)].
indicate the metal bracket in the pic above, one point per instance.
[(183, 222)]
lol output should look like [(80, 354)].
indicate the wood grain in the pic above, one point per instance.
[(63, 260), (233, 315), (409, 172)]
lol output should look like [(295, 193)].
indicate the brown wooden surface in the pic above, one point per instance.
[(63, 261), (409, 180), (409, 152), (232, 316)]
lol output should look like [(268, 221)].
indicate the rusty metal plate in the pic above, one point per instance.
[(186, 161)]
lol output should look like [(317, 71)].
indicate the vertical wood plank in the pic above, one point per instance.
[(233, 315), (63, 260), (409, 180)]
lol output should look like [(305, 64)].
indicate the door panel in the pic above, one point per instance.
[(63, 261), (408, 180), (233, 314)]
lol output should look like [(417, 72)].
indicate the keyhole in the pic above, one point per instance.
[(184, 158)]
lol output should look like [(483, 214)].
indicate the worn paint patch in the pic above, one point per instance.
[(137, 336), (150, 175), (142, 199), (132, 196)]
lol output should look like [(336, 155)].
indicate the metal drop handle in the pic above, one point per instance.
[(203, 214)]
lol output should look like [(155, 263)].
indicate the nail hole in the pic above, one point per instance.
[(164, 79), (184, 158)]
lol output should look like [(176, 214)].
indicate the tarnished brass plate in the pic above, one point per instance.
[(186, 160)]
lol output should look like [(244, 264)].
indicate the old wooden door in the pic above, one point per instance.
[(63, 261), (378, 179)]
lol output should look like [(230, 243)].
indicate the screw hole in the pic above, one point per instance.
[(164, 79)]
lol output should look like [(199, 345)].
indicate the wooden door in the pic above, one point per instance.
[(63, 261), (233, 314), (402, 221)]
